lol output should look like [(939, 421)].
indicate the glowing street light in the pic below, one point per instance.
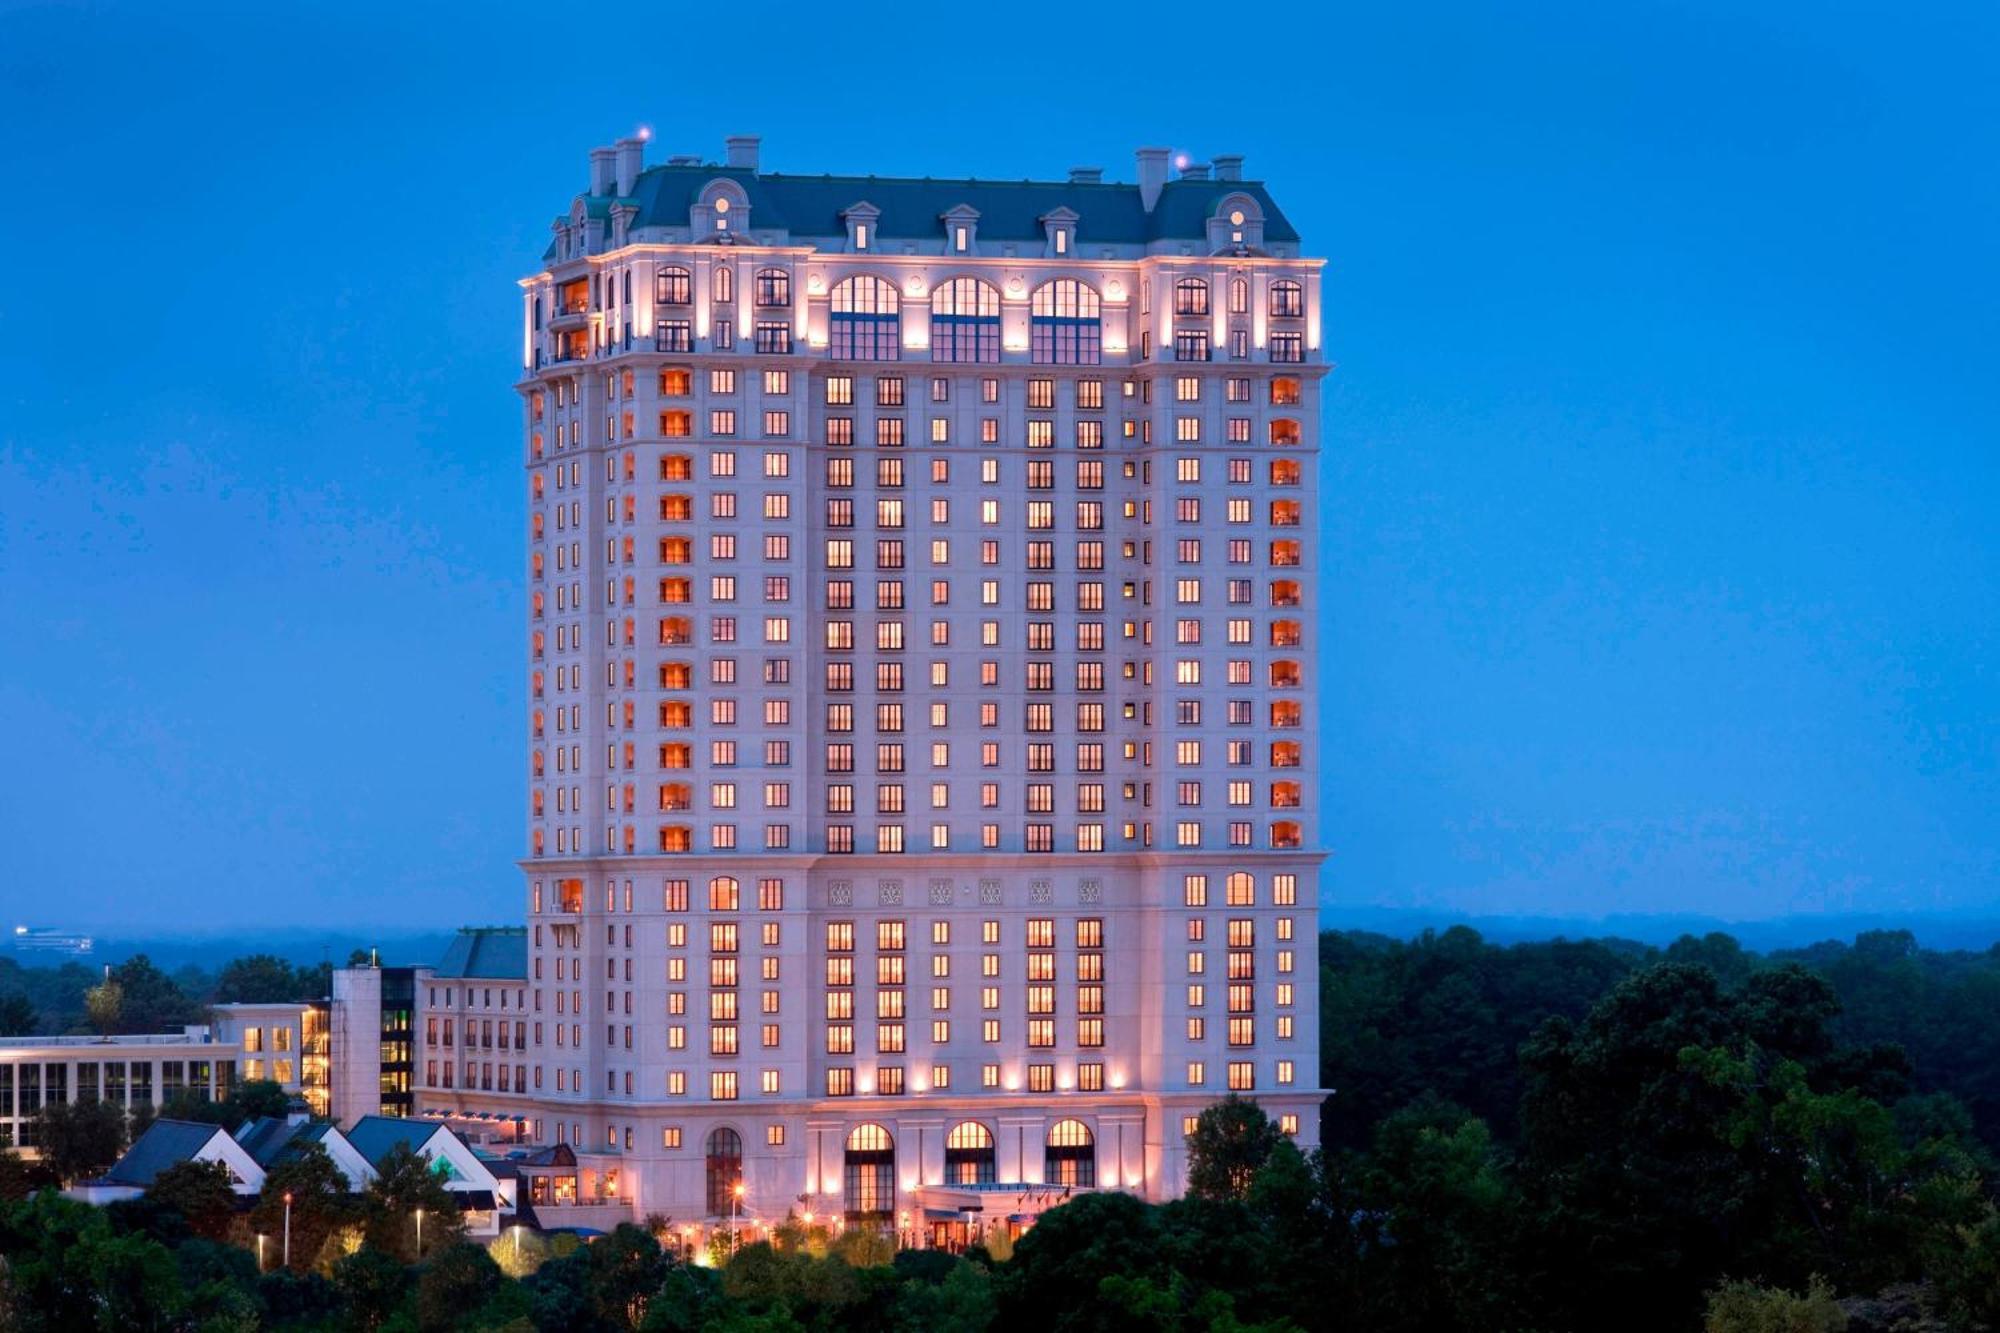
[(420, 1233), (288, 1228)]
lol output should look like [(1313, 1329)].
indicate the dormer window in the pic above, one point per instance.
[(1059, 232), (861, 219), (961, 230)]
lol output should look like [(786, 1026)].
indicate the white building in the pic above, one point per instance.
[(921, 657), (132, 1072)]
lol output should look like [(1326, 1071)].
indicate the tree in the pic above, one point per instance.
[(135, 996), (246, 1101), (17, 1016), (404, 1185), (372, 1285), (200, 1192), (1231, 1140), (106, 1005), (454, 1283), (624, 1270), (260, 978), (320, 1204), (79, 1140), (1745, 1307)]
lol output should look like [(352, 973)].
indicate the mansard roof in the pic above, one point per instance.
[(913, 208), (481, 953)]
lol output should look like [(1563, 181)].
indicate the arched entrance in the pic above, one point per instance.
[(1071, 1155), (968, 1155), (725, 1169), (870, 1174)]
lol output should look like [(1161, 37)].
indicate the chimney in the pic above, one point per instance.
[(1229, 166), (631, 160), (684, 160), (1086, 175), (1152, 175), (602, 172), (742, 150), (1195, 171)]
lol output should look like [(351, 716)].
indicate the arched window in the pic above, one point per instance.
[(1239, 296), (673, 285), (1071, 1155), (774, 288), (1065, 324), (968, 1155), (1239, 890), (865, 324), (1288, 299), (965, 321), (723, 894), (722, 284), (725, 1169), (1191, 296), (870, 1174)]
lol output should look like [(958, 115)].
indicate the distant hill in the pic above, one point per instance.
[(1974, 933)]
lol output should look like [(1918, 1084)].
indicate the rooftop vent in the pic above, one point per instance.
[(1086, 175)]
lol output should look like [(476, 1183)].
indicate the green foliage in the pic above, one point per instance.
[(150, 1000), (454, 1282), (320, 1206), (404, 1186), (17, 1016), (1231, 1141), (371, 1285), (263, 978), (105, 1003), (246, 1101), (199, 1193), (1745, 1307), (78, 1140)]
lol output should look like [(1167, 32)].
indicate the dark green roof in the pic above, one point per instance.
[(374, 1136), (910, 207), (497, 953), (165, 1143)]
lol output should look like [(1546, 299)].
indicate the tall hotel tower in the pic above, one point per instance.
[(921, 665)]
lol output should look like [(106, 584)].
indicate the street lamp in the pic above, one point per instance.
[(288, 1228), (517, 1246), (735, 1213), (420, 1233), (260, 1251)]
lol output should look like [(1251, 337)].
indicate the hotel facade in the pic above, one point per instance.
[(921, 664)]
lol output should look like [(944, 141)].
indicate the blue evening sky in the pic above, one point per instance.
[(1660, 461)]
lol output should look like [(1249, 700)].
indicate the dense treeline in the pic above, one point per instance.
[(1447, 1013), (136, 996)]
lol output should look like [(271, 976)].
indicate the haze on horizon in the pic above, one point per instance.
[(1660, 459)]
